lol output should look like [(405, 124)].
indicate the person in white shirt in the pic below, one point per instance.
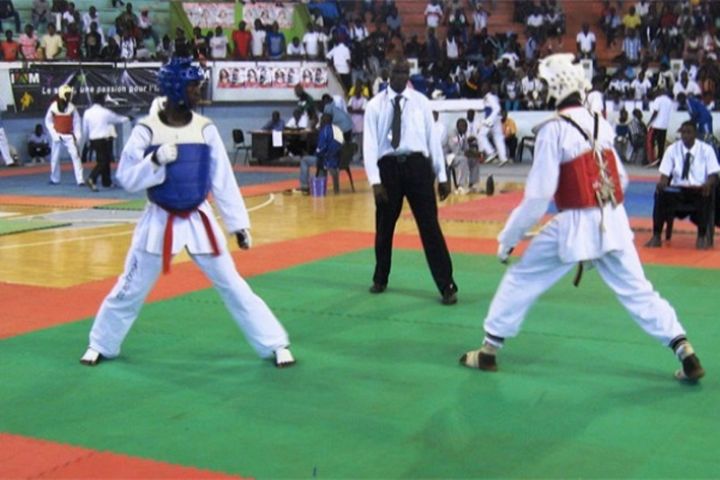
[(433, 14), (532, 91), (462, 158), (480, 18), (64, 126), (586, 42), (128, 46), (219, 45), (402, 159), (574, 162), (90, 16), (339, 55), (313, 42), (661, 108), (179, 157), (686, 86), (640, 86), (98, 130), (295, 49), (595, 100), (257, 44), (492, 125), (688, 176), (145, 24)]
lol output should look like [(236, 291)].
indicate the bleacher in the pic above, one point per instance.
[(159, 12)]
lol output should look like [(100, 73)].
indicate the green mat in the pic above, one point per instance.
[(377, 392), (8, 227), (137, 204)]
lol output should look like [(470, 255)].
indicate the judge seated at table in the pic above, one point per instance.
[(275, 122)]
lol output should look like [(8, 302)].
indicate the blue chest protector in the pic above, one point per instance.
[(187, 179)]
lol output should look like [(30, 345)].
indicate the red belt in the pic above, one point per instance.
[(168, 237)]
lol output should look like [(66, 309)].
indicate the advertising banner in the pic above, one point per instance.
[(35, 87), (211, 15), (268, 13), (233, 81)]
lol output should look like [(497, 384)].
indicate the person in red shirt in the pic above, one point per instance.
[(241, 38), (72, 40), (9, 47)]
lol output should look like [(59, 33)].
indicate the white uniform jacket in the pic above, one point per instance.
[(137, 172), (584, 234)]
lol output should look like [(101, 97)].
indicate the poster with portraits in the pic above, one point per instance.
[(235, 76), (210, 15), (269, 13)]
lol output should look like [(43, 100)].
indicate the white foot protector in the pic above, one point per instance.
[(283, 358), (91, 358)]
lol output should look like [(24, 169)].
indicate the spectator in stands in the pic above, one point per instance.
[(555, 22), (511, 91), (89, 17), (51, 43), (313, 41), (111, 51), (295, 49), (39, 13), (275, 43), (433, 14), (9, 47), (7, 10), (28, 44), (458, 25), (70, 16), (611, 24), (686, 87), (394, 23), (93, 43), (340, 57), (145, 26), (640, 87), (73, 41), (413, 49), (258, 43), (219, 46), (340, 117), (381, 82), (631, 20), (690, 166), (586, 42), (632, 47), (453, 49), (531, 91), (128, 46), (358, 31), (241, 39), (127, 21), (510, 133), (164, 51), (535, 25), (532, 49), (479, 18), (201, 49), (38, 145)]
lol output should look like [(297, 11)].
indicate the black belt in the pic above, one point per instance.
[(403, 157)]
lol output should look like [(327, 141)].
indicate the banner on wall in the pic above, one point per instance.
[(268, 13), (232, 79), (35, 88), (211, 15)]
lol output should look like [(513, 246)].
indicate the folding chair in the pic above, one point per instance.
[(239, 141)]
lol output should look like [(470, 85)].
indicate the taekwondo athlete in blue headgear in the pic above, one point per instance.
[(178, 156)]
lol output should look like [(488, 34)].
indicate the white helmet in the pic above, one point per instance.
[(563, 76), (64, 90)]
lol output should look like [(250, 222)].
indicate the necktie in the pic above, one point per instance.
[(686, 166), (396, 124)]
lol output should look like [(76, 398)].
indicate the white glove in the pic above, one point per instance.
[(166, 153), (504, 252), (244, 239)]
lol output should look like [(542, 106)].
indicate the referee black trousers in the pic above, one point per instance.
[(103, 157), (410, 177)]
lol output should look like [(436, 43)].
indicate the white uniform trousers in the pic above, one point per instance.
[(5, 148), (69, 142), (121, 307), (498, 138), (540, 268)]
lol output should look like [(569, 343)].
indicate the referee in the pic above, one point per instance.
[(402, 159), (97, 129)]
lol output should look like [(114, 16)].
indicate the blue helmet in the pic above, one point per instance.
[(174, 77)]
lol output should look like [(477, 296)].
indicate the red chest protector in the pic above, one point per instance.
[(589, 180)]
